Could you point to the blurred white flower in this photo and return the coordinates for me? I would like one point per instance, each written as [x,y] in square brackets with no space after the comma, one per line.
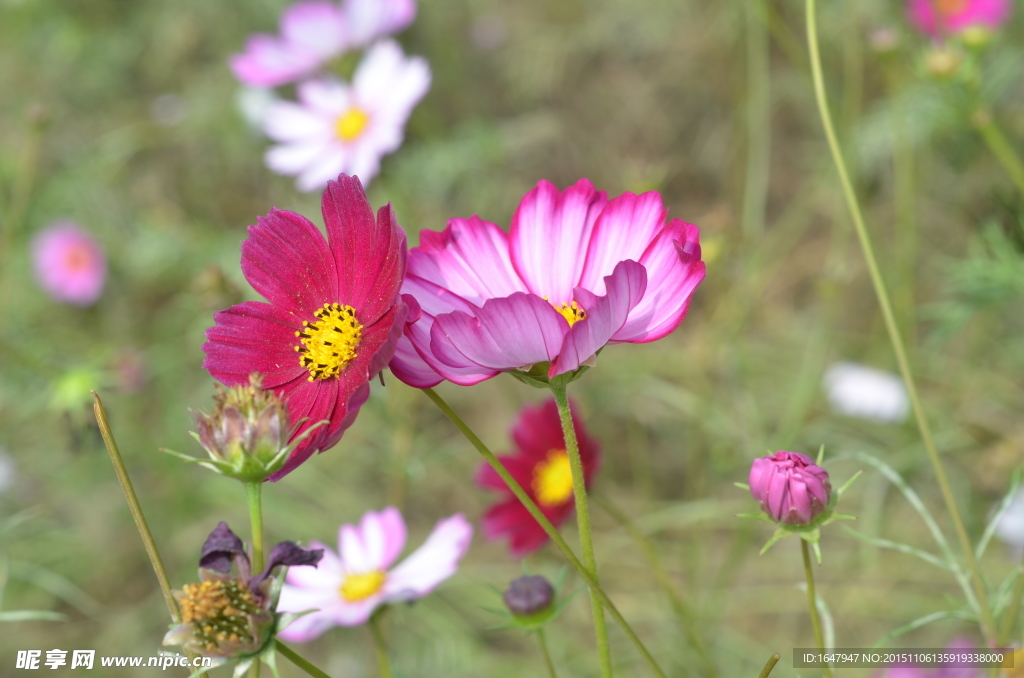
[856,390]
[253,103]
[340,128]
[8,471]
[1010,527]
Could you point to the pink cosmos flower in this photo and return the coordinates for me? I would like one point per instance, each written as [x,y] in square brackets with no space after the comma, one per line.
[340,128]
[942,17]
[541,466]
[69,264]
[334,314]
[313,32]
[346,588]
[575,272]
[791,488]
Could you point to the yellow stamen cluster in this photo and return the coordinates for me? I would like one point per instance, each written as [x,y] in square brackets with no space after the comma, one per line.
[330,343]
[358,587]
[572,312]
[552,479]
[219,612]
[351,124]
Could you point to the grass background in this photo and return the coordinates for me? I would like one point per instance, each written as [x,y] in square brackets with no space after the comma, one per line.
[709,103]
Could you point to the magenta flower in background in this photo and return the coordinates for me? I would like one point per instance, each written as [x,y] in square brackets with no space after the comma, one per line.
[69,263]
[338,128]
[346,588]
[313,32]
[791,488]
[575,272]
[942,17]
[334,314]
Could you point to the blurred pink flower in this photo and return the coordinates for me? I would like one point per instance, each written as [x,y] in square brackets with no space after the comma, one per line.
[315,31]
[942,17]
[346,588]
[575,272]
[791,488]
[340,128]
[69,263]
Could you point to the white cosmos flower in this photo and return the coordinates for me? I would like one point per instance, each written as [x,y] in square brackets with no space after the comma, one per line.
[1010,526]
[338,128]
[856,390]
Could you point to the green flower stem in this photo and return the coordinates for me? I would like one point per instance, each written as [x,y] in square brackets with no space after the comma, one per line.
[253,493]
[302,663]
[542,520]
[755,184]
[679,605]
[547,656]
[1000,146]
[579,490]
[812,602]
[1012,610]
[988,625]
[136,510]
[772,661]
[21,192]
[380,645]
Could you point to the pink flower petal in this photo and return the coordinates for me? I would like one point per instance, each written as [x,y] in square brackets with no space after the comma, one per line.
[69,263]
[286,259]
[393,530]
[325,575]
[355,555]
[371,19]
[625,228]
[549,231]
[253,337]
[269,62]
[317,26]
[470,258]
[605,316]
[674,270]
[308,626]
[410,367]
[507,333]
[357,613]
[432,563]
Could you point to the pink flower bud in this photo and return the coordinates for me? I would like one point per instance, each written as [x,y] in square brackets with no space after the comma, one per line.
[791,488]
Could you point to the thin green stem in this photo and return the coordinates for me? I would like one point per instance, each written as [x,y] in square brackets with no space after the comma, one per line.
[1012,610]
[254,495]
[679,604]
[579,490]
[988,626]
[21,192]
[380,645]
[755,184]
[547,656]
[812,602]
[302,663]
[546,525]
[1000,146]
[772,661]
[136,510]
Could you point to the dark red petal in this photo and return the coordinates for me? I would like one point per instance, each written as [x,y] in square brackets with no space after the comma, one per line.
[369,253]
[538,429]
[319,401]
[253,337]
[519,465]
[286,259]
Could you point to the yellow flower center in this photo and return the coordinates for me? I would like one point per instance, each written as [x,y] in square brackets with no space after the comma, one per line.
[572,311]
[358,587]
[948,8]
[218,611]
[328,344]
[351,124]
[552,479]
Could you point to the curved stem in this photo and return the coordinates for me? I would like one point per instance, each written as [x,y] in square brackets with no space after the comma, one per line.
[547,656]
[579,490]
[1012,610]
[546,525]
[253,493]
[772,661]
[1000,146]
[988,626]
[301,662]
[380,645]
[812,602]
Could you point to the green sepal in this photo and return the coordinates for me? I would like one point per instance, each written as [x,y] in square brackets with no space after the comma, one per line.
[537,375]
[742,486]
[763,517]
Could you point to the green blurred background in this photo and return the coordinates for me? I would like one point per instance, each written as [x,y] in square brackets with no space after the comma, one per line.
[122,116]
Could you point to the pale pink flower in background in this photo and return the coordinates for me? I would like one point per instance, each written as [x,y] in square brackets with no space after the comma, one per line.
[347,587]
[339,128]
[69,263]
[941,17]
[313,32]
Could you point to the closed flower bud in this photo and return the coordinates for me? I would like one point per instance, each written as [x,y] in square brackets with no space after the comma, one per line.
[791,488]
[528,596]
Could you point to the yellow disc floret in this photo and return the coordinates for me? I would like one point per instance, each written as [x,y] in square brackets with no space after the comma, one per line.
[351,124]
[552,479]
[330,343]
[358,587]
[218,612]
[571,311]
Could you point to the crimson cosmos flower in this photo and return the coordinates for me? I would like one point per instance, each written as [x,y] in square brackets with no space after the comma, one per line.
[941,17]
[540,465]
[334,314]
[575,272]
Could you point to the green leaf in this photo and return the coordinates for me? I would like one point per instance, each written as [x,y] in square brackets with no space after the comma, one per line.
[780,533]
[902,548]
[31,615]
[848,483]
[1004,504]
[742,486]
[821,454]
[923,621]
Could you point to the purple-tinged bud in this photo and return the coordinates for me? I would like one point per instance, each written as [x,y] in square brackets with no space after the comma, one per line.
[529,595]
[791,488]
